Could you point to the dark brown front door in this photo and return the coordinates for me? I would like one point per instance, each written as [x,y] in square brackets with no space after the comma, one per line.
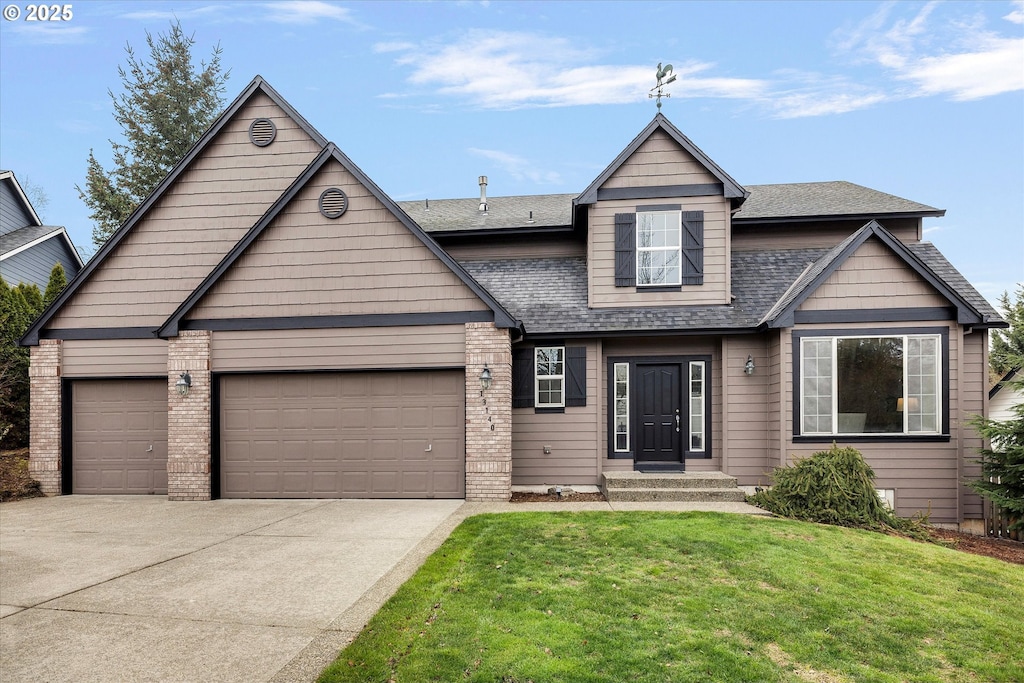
[660,435]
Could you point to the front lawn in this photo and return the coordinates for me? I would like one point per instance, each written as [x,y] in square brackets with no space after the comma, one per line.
[615,597]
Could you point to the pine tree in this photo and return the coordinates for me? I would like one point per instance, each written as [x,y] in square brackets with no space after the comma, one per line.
[166,106]
[58,281]
[1008,345]
[16,314]
[1002,464]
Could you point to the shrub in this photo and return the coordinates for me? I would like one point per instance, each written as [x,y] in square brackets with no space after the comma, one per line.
[831,487]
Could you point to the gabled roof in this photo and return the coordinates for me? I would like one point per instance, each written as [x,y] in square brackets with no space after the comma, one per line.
[25,238]
[731,188]
[257,85]
[170,328]
[9,177]
[781,314]
[831,200]
[1008,377]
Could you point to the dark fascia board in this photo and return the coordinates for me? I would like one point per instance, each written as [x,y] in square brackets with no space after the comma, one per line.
[732,189]
[319,322]
[173,324]
[91,333]
[616,334]
[26,204]
[659,191]
[739,220]
[31,338]
[519,231]
[966,314]
[1008,377]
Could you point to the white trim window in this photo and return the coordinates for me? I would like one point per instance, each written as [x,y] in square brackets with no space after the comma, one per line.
[659,248]
[549,362]
[697,397]
[621,380]
[871,385]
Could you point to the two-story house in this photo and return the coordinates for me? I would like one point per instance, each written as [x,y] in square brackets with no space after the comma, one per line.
[269,323]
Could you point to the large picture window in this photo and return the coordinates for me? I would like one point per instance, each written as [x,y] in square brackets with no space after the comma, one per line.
[658,248]
[870,385]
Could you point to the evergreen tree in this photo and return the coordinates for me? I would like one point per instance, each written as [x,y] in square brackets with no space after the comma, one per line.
[1008,345]
[166,106]
[1002,464]
[16,314]
[58,281]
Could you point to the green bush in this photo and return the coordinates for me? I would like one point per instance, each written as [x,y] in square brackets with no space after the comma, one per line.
[831,487]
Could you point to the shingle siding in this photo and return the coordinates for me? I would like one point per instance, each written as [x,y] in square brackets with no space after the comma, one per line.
[33,266]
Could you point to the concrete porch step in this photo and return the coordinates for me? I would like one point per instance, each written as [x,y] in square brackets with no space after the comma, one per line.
[649,495]
[668,480]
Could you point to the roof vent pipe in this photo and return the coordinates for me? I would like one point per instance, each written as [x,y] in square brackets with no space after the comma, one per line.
[483,193]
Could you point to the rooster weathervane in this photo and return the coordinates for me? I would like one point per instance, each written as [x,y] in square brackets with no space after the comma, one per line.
[665,76]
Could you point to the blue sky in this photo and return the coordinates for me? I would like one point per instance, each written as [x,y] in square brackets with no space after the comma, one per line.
[921,100]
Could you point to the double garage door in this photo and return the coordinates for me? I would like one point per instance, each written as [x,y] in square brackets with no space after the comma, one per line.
[303,435]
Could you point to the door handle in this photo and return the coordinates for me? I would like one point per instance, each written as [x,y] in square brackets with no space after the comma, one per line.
[150,449]
[677,420]
[429,448]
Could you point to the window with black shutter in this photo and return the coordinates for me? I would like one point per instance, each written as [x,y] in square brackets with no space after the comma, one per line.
[556,374]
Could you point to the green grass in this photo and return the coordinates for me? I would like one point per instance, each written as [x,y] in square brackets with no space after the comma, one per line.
[615,597]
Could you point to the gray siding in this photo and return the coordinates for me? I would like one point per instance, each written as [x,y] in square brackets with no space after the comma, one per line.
[572,437]
[367,348]
[33,265]
[12,211]
[114,357]
[746,412]
[974,399]
[521,247]
[188,231]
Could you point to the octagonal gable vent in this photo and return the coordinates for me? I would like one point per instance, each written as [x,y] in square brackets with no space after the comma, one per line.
[333,202]
[262,132]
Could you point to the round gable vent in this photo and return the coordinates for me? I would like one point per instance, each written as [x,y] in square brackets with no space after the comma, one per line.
[262,132]
[333,202]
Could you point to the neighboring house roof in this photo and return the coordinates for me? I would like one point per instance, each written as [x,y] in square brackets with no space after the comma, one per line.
[832,199]
[21,240]
[256,85]
[1008,377]
[968,313]
[502,318]
[730,188]
[550,294]
[463,215]
[8,176]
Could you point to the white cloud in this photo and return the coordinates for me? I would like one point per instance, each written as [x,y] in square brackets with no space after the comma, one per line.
[955,56]
[307,12]
[509,70]
[397,46]
[49,34]
[518,167]
[147,15]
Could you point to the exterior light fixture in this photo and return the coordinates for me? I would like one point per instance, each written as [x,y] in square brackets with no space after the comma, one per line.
[183,384]
[748,367]
[485,378]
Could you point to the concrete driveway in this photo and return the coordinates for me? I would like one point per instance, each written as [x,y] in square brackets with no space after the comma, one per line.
[107,588]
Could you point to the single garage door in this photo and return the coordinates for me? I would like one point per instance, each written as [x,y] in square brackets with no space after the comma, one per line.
[343,435]
[119,436]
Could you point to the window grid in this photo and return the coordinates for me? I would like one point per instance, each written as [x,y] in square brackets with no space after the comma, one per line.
[621,374]
[658,245]
[550,374]
[921,402]
[697,406]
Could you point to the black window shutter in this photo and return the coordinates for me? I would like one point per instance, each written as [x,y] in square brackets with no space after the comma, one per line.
[693,247]
[522,377]
[625,250]
[575,376]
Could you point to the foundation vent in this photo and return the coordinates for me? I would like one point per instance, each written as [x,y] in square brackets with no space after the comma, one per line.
[262,132]
[333,203]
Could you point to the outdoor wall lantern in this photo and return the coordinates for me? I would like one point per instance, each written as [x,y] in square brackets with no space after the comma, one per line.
[183,384]
[748,368]
[485,378]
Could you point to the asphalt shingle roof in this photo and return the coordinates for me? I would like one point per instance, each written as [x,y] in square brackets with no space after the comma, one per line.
[549,295]
[549,210]
[836,198]
[22,236]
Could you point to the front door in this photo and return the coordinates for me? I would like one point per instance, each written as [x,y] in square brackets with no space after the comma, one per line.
[661,422]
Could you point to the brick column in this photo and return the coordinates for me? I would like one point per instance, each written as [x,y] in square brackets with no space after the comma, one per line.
[44,463]
[188,417]
[488,414]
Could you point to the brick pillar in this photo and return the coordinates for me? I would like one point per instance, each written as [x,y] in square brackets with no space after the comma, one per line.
[488,414]
[44,463]
[188,417]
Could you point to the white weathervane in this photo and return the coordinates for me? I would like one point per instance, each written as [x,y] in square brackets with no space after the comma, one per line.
[665,76]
